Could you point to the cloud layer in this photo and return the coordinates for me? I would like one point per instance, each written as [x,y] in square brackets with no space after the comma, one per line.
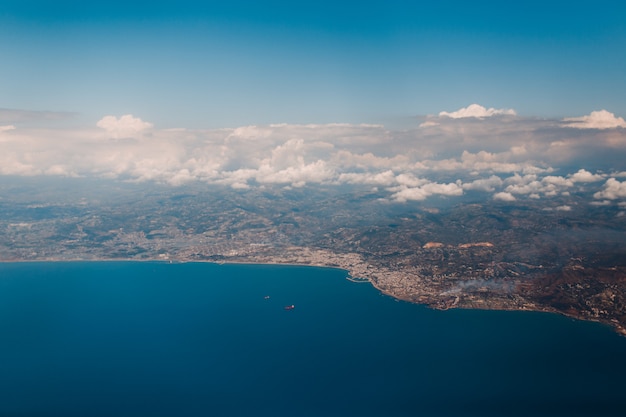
[125,126]
[459,152]
[601,119]
[477,111]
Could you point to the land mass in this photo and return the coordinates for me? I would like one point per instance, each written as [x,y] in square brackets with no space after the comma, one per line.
[466,253]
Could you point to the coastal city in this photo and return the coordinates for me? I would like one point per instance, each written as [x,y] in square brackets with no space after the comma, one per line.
[469,254]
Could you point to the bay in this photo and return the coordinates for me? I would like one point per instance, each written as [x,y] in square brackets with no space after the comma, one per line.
[197,339]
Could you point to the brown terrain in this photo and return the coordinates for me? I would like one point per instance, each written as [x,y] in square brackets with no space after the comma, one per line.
[460,253]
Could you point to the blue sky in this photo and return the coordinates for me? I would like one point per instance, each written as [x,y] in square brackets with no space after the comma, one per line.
[210,64]
[518,101]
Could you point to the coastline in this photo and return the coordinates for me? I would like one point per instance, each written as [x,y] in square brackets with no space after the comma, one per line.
[350,276]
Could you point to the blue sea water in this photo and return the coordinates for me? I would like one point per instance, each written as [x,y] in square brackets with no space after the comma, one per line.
[157,339]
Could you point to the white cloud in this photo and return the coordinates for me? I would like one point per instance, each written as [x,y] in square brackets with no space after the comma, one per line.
[613,189]
[250,132]
[550,185]
[411,194]
[481,161]
[477,111]
[585,176]
[296,175]
[563,208]
[489,161]
[428,123]
[404,193]
[554,182]
[601,119]
[518,179]
[412,164]
[504,196]
[125,127]
[410,180]
[368,160]
[386,178]
[484,184]
[450,189]
[534,187]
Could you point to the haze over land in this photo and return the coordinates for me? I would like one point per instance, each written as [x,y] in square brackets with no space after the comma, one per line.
[453,155]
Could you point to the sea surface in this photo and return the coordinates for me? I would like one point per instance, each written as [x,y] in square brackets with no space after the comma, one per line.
[158,339]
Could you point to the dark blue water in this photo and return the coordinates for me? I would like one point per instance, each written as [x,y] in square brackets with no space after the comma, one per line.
[153,339]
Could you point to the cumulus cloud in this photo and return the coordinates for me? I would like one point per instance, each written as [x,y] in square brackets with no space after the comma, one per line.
[513,159]
[585,176]
[484,184]
[297,175]
[601,119]
[530,188]
[504,196]
[553,181]
[369,160]
[404,193]
[482,161]
[385,178]
[532,185]
[477,111]
[428,123]
[613,190]
[124,126]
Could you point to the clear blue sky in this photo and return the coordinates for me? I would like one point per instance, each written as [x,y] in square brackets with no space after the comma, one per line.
[224,64]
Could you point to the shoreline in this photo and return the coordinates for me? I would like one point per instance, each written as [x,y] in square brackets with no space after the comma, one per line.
[616,327]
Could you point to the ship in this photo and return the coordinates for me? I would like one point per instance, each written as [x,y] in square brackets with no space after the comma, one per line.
[291,307]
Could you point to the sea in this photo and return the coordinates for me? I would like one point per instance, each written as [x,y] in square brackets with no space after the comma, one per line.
[200,339]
